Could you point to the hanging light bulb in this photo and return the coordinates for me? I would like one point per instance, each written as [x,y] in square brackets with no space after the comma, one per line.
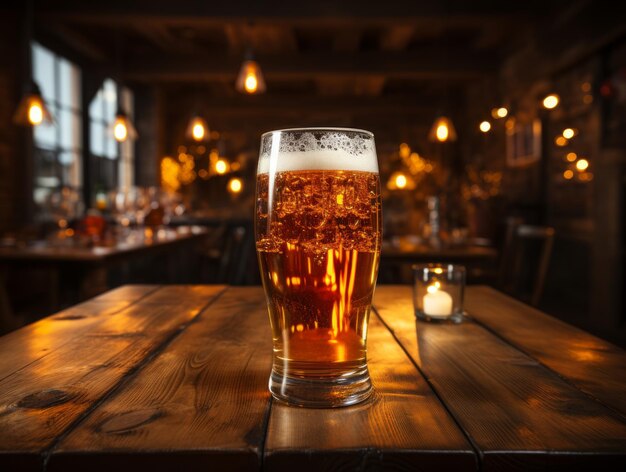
[551,101]
[250,79]
[123,128]
[485,126]
[198,129]
[32,110]
[442,130]
[235,185]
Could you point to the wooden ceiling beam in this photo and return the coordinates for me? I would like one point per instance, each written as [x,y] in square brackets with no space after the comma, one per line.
[432,64]
[264,105]
[276,11]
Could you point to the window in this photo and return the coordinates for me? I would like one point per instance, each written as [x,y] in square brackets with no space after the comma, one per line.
[57,146]
[113,161]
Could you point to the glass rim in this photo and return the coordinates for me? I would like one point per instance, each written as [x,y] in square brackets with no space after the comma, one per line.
[433,265]
[318,129]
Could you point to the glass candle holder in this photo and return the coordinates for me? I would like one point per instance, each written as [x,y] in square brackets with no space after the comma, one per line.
[438,292]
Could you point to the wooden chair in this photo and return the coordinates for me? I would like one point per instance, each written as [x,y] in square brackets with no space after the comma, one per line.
[232,257]
[517,259]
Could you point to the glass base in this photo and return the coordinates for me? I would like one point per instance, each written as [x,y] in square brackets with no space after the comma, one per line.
[348,389]
[454,318]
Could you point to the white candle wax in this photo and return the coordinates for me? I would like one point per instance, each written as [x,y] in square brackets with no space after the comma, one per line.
[437,303]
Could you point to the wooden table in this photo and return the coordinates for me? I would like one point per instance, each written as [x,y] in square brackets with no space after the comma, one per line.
[175,378]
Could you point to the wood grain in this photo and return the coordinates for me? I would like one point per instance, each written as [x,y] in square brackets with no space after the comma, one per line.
[404,427]
[593,365]
[45,398]
[200,405]
[520,414]
[26,345]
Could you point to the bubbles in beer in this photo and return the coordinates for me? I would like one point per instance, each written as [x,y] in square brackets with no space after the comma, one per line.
[318,243]
[319,211]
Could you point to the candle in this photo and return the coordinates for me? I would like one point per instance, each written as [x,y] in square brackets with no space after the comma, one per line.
[437,303]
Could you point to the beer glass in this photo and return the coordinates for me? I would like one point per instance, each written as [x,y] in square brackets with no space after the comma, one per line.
[318,237]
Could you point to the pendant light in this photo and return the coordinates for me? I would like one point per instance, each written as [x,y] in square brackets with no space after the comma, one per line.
[198,129]
[250,79]
[32,109]
[442,130]
[122,126]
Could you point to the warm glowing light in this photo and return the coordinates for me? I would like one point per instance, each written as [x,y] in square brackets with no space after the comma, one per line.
[198,132]
[560,141]
[582,164]
[568,133]
[123,128]
[568,174]
[251,83]
[485,126]
[250,78]
[35,112]
[501,112]
[586,87]
[571,157]
[442,132]
[401,181]
[170,169]
[434,287]
[551,101]
[588,99]
[405,150]
[235,185]
[221,166]
[120,131]
[438,270]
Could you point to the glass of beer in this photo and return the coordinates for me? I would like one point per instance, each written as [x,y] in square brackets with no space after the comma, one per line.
[318,238]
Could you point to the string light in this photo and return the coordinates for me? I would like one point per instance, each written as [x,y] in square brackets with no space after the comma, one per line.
[405,150]
[221,166]
[198,130]
[235,185]
[485,126]
[560,141]
[501,112]
[442,130]
[569,133]
[571,157]
[568,174]
[551,101]
[582,165]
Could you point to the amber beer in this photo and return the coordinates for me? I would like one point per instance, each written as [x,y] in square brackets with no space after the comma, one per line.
[318,242]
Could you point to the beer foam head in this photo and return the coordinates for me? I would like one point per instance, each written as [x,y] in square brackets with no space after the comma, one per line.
[317,149]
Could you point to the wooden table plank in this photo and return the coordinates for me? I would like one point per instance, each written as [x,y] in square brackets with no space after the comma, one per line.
[200,405]
[24,346]
[404,427]
[519,413]
[44,399]
[595,366]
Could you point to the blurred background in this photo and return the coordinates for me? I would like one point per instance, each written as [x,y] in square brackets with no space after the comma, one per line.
[129,136]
